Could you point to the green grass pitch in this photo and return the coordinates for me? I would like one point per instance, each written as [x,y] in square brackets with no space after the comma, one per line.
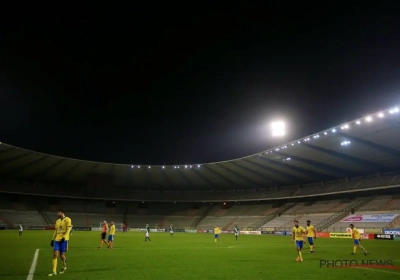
[189,256]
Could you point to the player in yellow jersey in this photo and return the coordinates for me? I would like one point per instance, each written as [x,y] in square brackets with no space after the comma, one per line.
[217,232]
[298,236]
[111,235]
[357,240]
[311,235]
[60,241]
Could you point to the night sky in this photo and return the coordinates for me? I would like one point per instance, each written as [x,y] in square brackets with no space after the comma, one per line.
[176,88]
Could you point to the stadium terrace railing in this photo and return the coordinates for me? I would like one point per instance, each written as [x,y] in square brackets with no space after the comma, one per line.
[24,188]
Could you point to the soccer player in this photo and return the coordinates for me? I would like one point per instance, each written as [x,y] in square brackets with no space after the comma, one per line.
[171,230]
[217,232]
[298,236]
[147,233]
[236,231]
[20,229]
[111,235]
[103,235]
[311,235]
[357,240]
[59,242]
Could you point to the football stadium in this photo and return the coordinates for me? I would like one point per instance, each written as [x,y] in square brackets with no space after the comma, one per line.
[348,174]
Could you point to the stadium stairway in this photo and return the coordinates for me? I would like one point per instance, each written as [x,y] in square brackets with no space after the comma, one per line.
[228,225]
[290,223]
[340,215]
[45,218]
[205,213]
[264,220]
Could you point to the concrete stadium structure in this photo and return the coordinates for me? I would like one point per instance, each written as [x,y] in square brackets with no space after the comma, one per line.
[354,167]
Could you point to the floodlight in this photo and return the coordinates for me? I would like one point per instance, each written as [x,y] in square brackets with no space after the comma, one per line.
[138,166]
[131,166]
[334,130]
[394,110]
[358,122]
[198,165]
[149,167]
[368,119]
[381,115]
[278,128]
[345,143]
[325,133]
[163,167]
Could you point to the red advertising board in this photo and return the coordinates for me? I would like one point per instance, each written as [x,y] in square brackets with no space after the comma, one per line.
[323,234]
[367,236]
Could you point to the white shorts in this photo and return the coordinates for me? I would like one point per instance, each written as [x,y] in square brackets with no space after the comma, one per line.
[147,234]
[171,231]
[236,234]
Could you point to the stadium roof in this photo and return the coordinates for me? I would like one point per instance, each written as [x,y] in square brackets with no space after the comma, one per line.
[357,148]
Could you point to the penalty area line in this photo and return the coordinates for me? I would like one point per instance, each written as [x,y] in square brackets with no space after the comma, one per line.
[33,266]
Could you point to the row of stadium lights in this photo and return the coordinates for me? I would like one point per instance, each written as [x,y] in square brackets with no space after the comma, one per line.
[163,167]
[367,119]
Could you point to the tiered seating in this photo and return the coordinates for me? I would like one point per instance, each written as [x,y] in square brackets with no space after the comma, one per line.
[295,208]
[284,220]
[178,222]
[128,193]
[393,204]
[209,222]
[320,207]
[376,204]
[28,218]
[342,226]
[96,219]
[242,222]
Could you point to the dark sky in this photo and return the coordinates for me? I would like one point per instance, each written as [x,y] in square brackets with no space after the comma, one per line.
[173,88]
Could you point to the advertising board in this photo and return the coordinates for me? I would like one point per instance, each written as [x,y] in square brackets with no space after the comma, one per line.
[375,218]
[323,235]
[394,231]
[339,235]
[383,236]
[257,232]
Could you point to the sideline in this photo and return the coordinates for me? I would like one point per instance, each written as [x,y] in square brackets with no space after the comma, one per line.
[33,266]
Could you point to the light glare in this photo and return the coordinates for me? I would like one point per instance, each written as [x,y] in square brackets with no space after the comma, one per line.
[278,128]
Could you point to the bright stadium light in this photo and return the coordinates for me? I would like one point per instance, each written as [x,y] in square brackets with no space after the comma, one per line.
[198,165]
[381,115]
[394,110]
[358,122]
[278,128]
[163,167]
[368,119]
[345,143]
[131,166]
[138,166]
[149,167]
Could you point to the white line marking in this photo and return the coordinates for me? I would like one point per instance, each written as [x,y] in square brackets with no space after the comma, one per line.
[384,271]
[33,266]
